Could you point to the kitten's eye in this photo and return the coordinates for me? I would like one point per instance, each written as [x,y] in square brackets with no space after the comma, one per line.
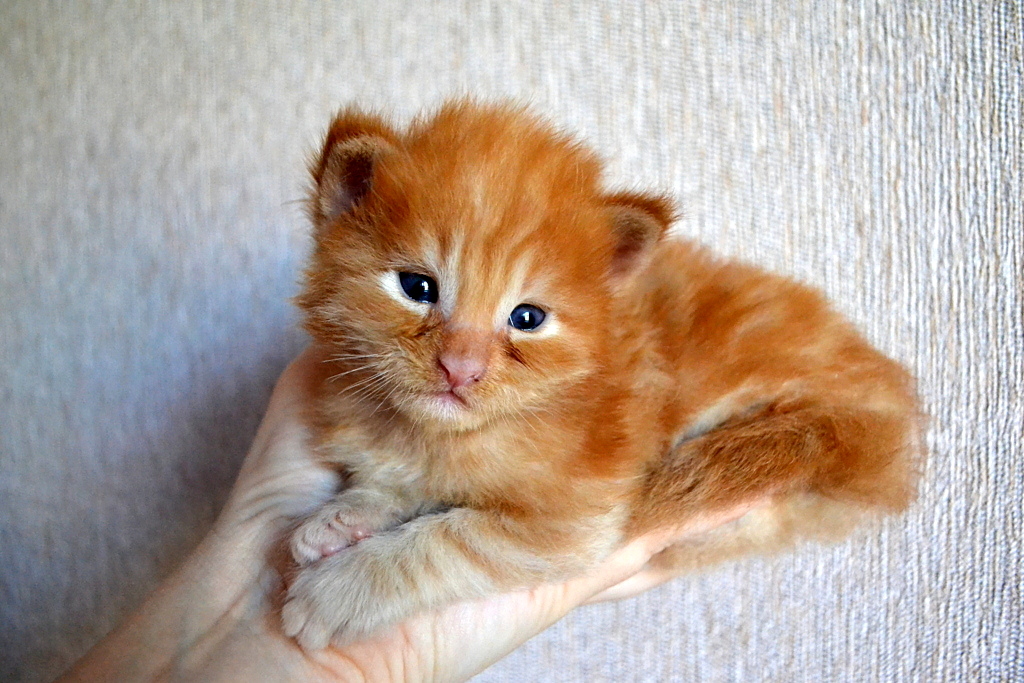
[526,317]
[419,287]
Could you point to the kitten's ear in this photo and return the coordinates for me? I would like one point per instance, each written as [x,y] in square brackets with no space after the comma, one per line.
[638,221]
[343,170]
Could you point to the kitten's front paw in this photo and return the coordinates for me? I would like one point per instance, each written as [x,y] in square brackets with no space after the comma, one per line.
[340,523]
[330,530]
[344,598]
[302,622]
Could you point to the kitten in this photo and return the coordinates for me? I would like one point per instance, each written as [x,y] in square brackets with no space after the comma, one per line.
[527,373]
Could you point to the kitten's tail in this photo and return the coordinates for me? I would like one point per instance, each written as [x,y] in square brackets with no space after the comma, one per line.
[825,468]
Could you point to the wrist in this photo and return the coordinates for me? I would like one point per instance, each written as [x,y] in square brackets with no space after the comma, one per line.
[205,596]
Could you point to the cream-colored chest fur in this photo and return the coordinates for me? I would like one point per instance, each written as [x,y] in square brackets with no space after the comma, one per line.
[468,469]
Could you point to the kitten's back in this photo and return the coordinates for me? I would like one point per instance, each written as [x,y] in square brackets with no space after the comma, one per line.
[776,395]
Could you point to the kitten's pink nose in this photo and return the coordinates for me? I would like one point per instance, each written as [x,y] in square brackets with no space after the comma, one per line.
[461,370]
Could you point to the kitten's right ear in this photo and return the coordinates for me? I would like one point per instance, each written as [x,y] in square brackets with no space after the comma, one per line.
[639,221]
[343,171]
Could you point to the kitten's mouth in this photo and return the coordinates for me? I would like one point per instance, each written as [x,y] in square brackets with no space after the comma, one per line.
[450,398]
[447,404]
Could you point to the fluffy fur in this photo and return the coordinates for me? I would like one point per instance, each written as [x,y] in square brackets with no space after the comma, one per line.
[663,383]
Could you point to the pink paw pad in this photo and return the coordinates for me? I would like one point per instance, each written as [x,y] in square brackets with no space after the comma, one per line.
[336,545]
[324,536]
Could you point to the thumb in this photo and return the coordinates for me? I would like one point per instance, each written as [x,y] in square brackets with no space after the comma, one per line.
[281,478]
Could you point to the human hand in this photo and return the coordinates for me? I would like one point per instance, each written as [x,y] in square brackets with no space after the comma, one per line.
[218,616]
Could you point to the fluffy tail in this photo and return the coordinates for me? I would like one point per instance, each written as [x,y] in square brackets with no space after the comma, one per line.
[823,467]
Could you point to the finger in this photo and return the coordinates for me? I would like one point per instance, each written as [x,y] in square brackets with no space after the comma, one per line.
[281,477]
[618,567]
[282,434]
[304,373]
[650,576]
[629,563]
[642,581]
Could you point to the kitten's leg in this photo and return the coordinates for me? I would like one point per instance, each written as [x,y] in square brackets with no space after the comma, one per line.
[353,515]
[428,562]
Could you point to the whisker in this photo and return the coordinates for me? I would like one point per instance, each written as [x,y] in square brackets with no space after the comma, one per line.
[347,372]
[394,413]
[363,382]
[367,383]
[351,356]
[384,400]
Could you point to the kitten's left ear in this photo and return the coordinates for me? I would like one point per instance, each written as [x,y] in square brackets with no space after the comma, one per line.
[638,221]
[343,170]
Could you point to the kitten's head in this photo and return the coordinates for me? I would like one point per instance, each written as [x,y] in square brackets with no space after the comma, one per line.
[464,270]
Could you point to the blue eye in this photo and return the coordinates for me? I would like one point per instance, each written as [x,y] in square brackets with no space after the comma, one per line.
[526,317]
[419,287]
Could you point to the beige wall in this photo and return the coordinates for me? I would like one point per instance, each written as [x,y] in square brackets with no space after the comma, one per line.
[148,154]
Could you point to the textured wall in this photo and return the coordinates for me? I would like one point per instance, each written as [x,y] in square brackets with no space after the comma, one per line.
[148,155]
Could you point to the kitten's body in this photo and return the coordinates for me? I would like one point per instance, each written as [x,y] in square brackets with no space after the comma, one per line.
[662,384]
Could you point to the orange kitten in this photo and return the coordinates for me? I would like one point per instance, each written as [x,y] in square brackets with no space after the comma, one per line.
[527,373]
